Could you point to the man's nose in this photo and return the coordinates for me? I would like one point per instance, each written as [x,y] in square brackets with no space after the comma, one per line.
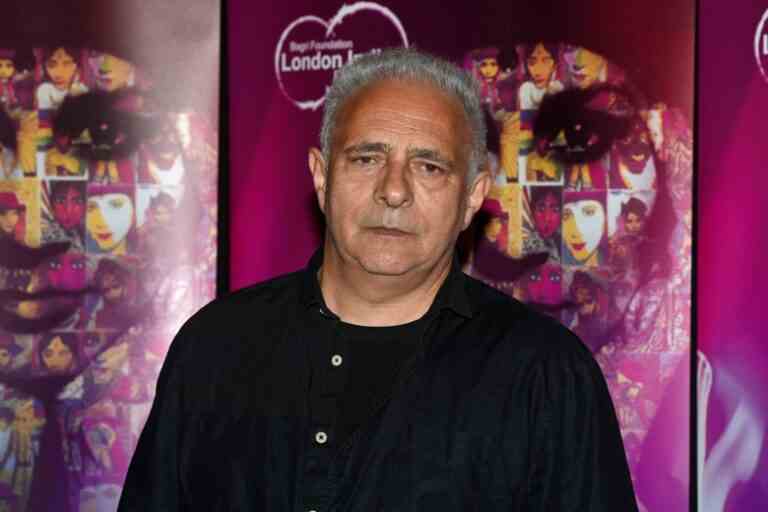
[394,188]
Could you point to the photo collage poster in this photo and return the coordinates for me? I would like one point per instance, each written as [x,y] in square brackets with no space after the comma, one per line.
[108,215]
[589,219]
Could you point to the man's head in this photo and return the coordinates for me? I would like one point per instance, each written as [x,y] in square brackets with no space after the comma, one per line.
[398,176]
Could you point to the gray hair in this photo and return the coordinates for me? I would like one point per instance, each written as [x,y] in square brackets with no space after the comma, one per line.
[410,65]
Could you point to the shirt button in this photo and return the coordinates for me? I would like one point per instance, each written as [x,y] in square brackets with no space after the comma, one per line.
[336,360]
[321,437]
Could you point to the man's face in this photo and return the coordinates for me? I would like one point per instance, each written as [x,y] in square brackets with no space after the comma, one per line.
[546,215]
[541,65]
[489,67]
[583,227]
[8,221]
[69,207]
[396,196]
[61,67]
[7,69]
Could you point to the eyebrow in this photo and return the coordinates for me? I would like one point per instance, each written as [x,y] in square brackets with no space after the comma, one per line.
[430,154]
[368,147]
[381,147]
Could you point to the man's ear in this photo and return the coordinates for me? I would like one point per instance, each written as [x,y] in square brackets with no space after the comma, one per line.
[318,168]
[476,195]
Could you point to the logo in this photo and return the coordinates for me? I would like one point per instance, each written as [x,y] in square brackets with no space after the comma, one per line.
[311,49]
[761,45]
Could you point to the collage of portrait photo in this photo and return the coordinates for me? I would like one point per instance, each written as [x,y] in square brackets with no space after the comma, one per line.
[589,214]
[108,207]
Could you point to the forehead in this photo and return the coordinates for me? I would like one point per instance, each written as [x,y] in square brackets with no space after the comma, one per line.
[397,111]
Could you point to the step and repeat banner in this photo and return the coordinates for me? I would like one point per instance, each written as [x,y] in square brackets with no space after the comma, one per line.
[615,232]
[108,198]
[732,364]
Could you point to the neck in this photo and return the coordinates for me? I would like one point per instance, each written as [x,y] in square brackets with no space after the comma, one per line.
[361,298]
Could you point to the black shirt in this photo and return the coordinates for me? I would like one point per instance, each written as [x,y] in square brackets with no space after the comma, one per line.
[498,408]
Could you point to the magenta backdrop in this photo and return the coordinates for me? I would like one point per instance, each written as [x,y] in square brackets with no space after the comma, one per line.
[275,224]
[732,243]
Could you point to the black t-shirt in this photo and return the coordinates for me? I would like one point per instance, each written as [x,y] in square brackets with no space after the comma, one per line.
[354,369]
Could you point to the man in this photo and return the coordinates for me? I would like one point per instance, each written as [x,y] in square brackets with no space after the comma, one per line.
[381,377]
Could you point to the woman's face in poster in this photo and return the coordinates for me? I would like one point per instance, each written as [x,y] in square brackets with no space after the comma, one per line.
[7,69]
[8,221]
[109,219]
[56,356]
[69,207]
[61,68]
[546,215]
[583,227]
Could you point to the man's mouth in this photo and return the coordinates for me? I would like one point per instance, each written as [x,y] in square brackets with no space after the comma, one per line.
[579,247]
[392,232]
[104,236]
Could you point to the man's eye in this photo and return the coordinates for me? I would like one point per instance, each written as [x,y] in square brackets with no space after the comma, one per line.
[116,203]
[567,214]
[430,169]
[364,160]
[588,211]
[555,278]
[534,277]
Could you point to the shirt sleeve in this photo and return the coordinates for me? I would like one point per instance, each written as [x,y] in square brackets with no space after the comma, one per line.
[578,460]
[153,482]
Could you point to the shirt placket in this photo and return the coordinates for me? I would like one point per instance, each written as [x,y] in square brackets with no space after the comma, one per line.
[329,375]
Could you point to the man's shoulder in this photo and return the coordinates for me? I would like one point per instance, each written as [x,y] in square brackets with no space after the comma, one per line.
[517,323]
[247,310]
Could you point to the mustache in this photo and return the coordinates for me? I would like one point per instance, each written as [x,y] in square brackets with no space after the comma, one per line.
[391,218]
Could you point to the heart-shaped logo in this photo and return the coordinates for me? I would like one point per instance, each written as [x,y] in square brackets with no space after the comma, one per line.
[310,49]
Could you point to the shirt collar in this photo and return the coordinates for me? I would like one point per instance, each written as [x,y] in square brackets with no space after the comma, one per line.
[452,294]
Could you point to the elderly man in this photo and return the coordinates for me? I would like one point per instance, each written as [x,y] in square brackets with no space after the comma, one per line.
[381,377]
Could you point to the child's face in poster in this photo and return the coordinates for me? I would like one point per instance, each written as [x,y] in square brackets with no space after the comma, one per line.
[61,68]
[8,221]
[489,68]
[109,218]
[583,227]
[7,69]
[541,65]
[69,207]
[546,215]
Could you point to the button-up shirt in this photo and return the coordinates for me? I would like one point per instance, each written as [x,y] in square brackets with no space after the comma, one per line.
[497,408]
